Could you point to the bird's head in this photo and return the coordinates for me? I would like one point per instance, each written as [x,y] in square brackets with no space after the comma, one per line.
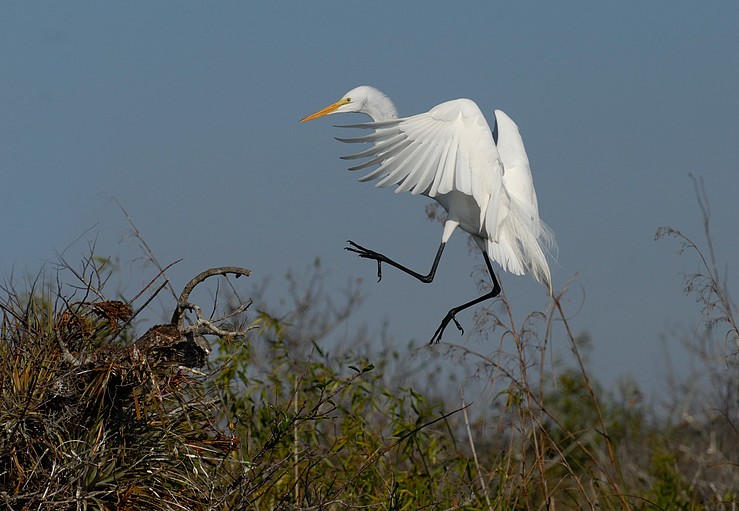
[363,99]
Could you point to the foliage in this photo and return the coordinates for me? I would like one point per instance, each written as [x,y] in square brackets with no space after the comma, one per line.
[299,409]
[88,422]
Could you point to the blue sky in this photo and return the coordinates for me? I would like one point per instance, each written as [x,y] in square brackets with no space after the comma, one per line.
[187,114]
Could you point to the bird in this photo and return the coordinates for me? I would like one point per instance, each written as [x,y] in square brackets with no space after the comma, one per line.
[480,175]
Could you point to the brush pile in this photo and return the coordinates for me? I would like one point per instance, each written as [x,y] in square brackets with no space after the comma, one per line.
[93,418]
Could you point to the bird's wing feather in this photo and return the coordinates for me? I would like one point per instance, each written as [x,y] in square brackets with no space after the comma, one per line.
[449,148]
[377,148]
[450,153]
[517,179]
[528,239]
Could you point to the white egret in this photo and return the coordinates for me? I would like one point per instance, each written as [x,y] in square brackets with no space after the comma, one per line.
[481,177]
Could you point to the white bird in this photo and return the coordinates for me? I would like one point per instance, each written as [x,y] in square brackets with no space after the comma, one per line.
[481,177]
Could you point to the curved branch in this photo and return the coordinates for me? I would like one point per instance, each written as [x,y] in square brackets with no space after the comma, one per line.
[183,302]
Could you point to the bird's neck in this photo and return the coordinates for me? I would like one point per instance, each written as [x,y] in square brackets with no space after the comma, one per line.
[380,108]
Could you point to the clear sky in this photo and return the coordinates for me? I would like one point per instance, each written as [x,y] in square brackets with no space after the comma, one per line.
[186,113]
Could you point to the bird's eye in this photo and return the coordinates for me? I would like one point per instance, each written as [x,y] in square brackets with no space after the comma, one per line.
[348,100]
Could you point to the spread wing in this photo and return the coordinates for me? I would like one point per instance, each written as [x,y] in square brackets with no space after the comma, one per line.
[449,148]
[524,239]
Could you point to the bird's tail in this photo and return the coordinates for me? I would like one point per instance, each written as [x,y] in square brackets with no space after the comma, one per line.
[523,244]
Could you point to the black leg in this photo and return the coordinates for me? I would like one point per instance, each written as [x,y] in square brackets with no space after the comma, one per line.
[371,254]
[450,316]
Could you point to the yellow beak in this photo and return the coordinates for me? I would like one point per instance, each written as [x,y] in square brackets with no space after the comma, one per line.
[328,110]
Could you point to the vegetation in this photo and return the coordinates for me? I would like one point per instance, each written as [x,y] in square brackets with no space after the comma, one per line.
[282,415]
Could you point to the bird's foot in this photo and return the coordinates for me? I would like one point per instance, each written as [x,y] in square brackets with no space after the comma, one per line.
[439,331]
[367,254]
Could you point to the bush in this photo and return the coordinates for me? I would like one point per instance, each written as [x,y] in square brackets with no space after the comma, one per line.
[283,416]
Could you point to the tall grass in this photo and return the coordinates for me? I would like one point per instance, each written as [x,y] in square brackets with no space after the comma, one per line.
[294,409]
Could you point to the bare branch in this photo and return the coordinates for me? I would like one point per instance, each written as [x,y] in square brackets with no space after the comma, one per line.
[183,303]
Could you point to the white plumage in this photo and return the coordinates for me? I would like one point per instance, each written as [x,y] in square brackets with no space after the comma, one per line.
[481,177]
